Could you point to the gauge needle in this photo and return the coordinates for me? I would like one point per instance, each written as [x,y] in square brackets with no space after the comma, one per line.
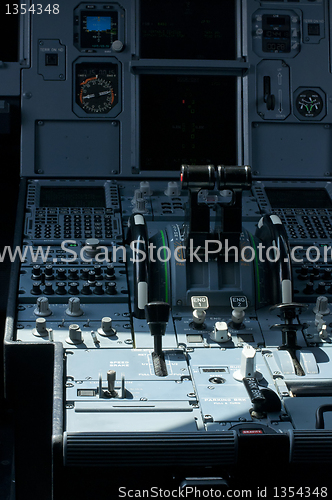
[105,92]
[89,96]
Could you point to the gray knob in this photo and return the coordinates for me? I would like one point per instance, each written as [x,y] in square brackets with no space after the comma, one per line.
[43,308]
[172,189]
[106,329]
[141,205]
[137,196]
[321,306]
[117,46]
[74,307]
[144,187]
[92,250]
[40,330]
[75,335]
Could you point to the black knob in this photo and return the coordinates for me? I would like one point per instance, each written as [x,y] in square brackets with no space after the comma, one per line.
[321,288]
[92,277]
[304,272]
[73,274]
[110,272]
[111,288]
[61,274]
[315,272]
[97,269]
[36,272]
[48,290]
[98,289]
[49,273]
[86,290]
[73,288]
[309,288]
[327,274]
[61,288]
[85,273]
[36,288]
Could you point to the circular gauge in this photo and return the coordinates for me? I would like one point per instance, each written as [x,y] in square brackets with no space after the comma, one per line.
[96,87]
[97,95]
[309,103]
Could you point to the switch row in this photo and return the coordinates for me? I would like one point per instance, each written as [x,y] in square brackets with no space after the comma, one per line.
[73,288]
[49,273]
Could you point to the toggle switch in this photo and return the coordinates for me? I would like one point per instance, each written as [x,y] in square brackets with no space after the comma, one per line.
[199,304]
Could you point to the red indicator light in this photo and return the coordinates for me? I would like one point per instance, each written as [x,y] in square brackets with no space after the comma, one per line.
[251,431]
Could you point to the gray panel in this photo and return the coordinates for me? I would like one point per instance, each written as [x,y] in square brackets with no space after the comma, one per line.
[66,147]
[291,150]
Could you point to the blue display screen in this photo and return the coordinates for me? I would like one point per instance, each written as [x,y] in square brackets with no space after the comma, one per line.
[96,23]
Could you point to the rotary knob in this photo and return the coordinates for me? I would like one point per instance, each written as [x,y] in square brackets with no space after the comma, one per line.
[98,289]
[61,274]
[110,272]
[40,329]
[36,272]
[74,307]
[86,290]
[75,335]
[73,274]
[42,308]
[48,290]
[91,247]
[61,288]
[36,288]
[111,288]
[49,272]
[106,329]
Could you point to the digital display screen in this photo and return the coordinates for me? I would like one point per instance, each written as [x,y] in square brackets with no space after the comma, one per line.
[188,29]
[187,119]
[298,198]
[276,33]
[99,30]
[94,23]
[72,197]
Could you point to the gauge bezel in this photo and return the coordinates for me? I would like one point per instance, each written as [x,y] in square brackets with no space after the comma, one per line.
[97,61]
[296,96]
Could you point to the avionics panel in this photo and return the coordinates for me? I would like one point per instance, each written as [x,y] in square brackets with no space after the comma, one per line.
[71,197]
[179,29]
[298,198]
[187,119]
[99,29]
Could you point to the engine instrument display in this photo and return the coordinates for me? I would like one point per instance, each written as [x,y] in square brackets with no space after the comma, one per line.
[98,29]
[309,103]
[188,29]
[180,123]
[96,87]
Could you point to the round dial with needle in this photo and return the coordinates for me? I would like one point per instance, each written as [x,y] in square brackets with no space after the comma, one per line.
[97,95]
[309,103]
[97,87]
